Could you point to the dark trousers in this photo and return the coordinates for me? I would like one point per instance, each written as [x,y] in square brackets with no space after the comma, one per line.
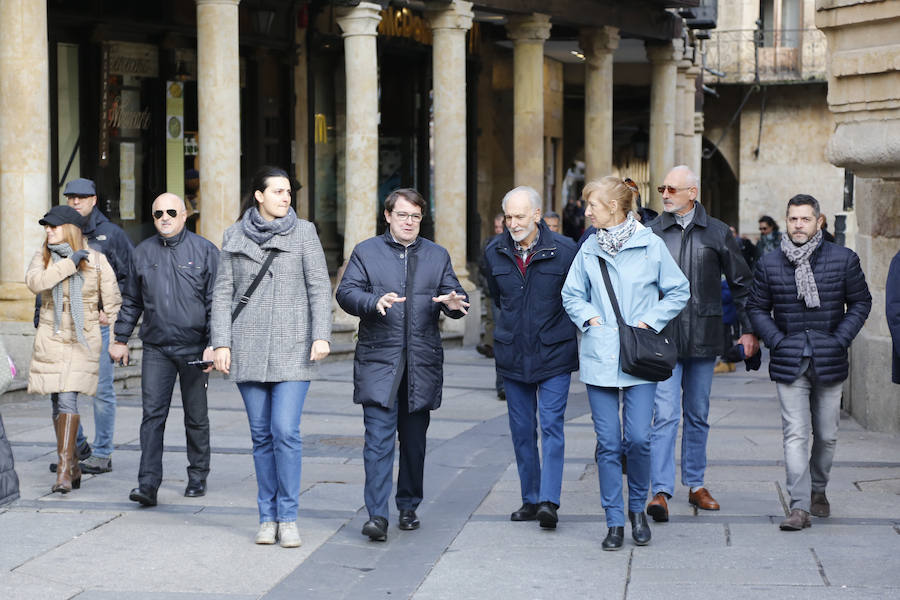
[382,425]
[158,372]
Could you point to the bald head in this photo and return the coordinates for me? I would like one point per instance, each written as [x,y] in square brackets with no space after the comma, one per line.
[169,214]
[679,190]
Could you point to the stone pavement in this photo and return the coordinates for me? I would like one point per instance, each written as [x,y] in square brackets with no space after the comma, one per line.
[94,544]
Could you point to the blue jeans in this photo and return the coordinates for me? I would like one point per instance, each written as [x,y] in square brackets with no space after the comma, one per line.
[637,412]
[694,377]
[273,410]
[526,402]
[104,403]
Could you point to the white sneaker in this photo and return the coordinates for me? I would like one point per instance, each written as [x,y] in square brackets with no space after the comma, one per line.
[289,535]
[266,533]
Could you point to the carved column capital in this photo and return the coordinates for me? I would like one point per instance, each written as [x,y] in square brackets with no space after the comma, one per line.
[597,42]
[664,52]
[361,19]
[456,16]
[529,28]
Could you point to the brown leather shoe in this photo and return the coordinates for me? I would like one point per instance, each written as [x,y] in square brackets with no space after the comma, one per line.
[702,499]
[797,520]
[819,506]
[658,508]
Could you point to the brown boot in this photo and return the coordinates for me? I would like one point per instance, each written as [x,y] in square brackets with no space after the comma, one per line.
[796,521]
[68,473]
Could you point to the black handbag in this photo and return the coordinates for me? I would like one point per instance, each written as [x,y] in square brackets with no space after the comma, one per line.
[643,353]
[243,300]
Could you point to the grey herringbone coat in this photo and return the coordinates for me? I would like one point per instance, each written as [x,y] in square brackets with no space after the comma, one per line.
[270,340]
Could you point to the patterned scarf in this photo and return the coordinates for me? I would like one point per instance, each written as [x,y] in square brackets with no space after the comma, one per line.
[60,252]
[803,275]
[260,231]
[612,239]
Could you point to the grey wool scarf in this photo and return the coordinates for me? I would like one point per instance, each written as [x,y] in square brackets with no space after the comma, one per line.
[260,231]
[60,252]
[803,275]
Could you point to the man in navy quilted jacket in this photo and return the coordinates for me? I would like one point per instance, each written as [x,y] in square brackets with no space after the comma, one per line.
[808,301]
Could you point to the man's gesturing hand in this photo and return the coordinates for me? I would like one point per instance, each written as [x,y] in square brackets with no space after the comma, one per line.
[387,301]
[453,301]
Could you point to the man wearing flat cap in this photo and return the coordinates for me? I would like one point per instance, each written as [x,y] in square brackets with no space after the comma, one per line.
[103,236]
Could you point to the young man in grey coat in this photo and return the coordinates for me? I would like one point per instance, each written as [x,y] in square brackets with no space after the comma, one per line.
[398,284]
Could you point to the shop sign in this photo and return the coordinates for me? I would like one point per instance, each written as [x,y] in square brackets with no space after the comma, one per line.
[138,60]
[122,118]
[403,23]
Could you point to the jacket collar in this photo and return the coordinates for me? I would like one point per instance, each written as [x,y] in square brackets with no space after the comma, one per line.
[701,219]
[545,240]
[241,244]
[390,241]
[172,241]
[94,220]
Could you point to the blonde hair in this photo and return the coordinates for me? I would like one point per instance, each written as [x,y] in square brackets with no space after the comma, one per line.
[612,189]
[73,237]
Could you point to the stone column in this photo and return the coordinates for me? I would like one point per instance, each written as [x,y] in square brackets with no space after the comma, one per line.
[690,157]
[528,34]
[598,46]
[864,95]
[696,163]
[358,25]
[218,109]
[449,25]
[681,126]
[662,113]
[25,191]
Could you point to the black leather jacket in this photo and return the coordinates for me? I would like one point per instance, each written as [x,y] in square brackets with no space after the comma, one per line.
[705,251]
[171,283]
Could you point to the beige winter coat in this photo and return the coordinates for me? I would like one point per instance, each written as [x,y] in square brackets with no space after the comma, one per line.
[59,362]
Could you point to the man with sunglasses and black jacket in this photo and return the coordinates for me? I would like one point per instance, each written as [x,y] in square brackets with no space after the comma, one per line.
[171,283]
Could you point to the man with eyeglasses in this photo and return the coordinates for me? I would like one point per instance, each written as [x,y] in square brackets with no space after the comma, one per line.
[705,250]
[103,236]
[535,347]
[172,279]
[398,284]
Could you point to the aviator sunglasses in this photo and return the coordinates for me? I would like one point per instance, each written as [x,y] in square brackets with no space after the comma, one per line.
[157,214]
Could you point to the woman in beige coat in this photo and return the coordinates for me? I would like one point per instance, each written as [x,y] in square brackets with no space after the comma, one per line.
[74,282]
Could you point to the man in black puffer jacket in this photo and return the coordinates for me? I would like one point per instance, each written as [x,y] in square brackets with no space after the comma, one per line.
[398,284]
[808,301]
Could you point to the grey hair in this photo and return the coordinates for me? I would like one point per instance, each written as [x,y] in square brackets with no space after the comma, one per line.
[551,215]
[689,176]
[532,195]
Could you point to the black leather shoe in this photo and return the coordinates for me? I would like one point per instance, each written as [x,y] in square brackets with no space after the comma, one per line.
[408,520]
[546,515]
[640,530]
[195,489]
[527,512]
[146,497]
[614,538]
[376,529]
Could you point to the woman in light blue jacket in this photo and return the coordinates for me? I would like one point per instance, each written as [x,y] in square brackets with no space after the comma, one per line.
[651,291]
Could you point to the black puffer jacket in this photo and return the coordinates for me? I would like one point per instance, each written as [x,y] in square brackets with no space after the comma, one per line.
[409,331]
[830,328]
[704,252]
[171,283]
[105,236]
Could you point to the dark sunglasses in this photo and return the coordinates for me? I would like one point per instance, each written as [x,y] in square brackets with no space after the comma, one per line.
[157,214]
[663,188]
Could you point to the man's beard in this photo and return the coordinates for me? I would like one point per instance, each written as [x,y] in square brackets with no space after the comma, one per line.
[523,234]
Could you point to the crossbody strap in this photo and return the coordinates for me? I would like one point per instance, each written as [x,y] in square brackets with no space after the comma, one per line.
[609,289]
[243,300]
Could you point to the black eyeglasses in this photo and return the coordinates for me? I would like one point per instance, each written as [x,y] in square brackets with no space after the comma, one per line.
[157,214]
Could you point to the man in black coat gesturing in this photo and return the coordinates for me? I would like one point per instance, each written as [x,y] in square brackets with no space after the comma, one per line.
[808,301]
[398,284]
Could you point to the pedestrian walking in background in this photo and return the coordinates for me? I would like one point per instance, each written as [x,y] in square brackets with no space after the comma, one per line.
[103,236]
[171,285]
[74,281]
[398,284]
[650,290]
[552,221]
[769,236]
[808,301]
[486,348]
[730,329]
[748,250]
[267,339]
[704,249]
[535,347]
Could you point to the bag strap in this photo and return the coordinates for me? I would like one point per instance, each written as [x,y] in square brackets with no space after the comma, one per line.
[243,300]
[609,290]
